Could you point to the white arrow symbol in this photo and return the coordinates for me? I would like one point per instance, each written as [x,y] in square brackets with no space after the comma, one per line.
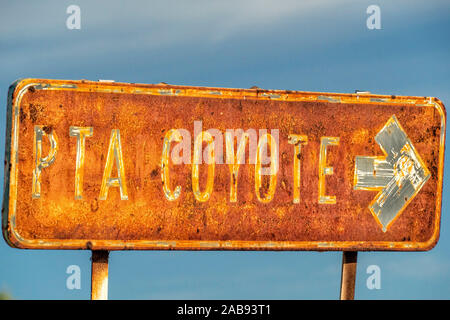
[398,176]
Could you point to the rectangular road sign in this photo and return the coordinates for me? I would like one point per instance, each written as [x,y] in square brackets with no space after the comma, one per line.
[114,166]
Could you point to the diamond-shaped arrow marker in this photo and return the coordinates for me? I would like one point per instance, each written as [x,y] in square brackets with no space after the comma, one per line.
[398,176]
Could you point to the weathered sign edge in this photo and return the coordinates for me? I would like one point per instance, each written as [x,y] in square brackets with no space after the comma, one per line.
[19,88]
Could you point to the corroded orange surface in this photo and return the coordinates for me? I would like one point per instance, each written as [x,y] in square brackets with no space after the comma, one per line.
[148,220]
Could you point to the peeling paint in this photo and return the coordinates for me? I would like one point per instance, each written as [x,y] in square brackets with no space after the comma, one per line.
[330,99]
[146,220]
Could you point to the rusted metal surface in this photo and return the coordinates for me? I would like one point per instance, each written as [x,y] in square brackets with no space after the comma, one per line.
[126,192]
[99,275]
[348,274]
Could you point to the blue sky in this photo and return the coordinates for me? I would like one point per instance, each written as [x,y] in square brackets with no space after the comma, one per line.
[292,45]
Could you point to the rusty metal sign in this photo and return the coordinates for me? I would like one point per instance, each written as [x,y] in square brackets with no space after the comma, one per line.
[113,166]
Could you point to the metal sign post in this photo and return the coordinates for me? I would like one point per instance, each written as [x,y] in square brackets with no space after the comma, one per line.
[99,275]
[348,275]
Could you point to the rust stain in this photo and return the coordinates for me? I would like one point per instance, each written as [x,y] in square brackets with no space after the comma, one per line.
[119,189]
[99,277]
